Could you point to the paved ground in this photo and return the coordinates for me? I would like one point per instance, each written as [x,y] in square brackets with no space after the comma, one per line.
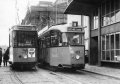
[6,75]
[103,70]
[100,70]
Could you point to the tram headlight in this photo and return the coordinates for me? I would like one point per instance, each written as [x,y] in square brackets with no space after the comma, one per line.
[25,56]
[77,57]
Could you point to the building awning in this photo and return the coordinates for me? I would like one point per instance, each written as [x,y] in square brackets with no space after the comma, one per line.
[82,7]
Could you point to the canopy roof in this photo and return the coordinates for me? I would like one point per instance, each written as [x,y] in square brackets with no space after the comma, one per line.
[82,7]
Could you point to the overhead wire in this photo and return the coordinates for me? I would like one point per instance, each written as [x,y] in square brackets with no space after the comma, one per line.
[17,9]
[17,18]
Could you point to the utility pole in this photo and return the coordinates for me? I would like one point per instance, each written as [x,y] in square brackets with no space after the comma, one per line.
[56,11]
[17,17]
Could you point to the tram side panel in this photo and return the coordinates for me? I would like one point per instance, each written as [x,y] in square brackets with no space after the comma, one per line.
[11,55]
[65,56]
[22,57]
[78,57]
[46,55]
[58,57]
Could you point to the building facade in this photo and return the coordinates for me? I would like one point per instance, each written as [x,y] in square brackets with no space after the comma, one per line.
[104,31]
[46,14]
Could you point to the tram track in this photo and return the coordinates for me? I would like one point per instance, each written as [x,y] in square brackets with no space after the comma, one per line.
[89,78]
[63,77]
[15,78]
[45,76]
[71,79]
[84,77]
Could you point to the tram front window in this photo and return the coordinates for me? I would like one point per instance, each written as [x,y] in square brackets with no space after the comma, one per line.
[26,38]
[73,39]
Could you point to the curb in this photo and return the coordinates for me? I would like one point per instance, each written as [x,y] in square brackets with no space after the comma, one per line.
[101,74]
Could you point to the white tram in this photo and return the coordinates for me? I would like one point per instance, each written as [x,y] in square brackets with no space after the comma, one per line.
[62,46]
[23,46]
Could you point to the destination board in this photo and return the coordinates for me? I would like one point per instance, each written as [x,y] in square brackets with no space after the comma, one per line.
[74,29]
[24,28]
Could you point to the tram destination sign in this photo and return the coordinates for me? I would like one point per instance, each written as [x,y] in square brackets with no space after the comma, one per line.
[74,29]
[25,27]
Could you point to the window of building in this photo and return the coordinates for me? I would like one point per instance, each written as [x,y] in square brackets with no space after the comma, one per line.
[110,12]
[112,7]
[117,41]
[117,44]
[104,20]
[108,19]
[103,9]
[117,14]
[103,48]
[117,4]
[95,19]
[107,7]
[107,47]
[112,19]
[112,41]
[110,50]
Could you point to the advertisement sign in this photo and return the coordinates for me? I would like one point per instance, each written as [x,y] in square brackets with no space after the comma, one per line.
[31,52]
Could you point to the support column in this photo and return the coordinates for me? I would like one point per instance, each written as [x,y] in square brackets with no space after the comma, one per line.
[99,36]
[89,26]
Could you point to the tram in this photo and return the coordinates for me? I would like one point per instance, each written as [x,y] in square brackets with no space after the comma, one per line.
[62,46]
[23,46]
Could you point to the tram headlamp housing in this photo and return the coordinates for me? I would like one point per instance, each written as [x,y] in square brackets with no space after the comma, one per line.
[77,57]
[25,56]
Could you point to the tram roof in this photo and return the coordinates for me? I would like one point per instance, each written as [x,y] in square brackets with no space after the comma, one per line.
[22,25]
[16,27]
[62,28]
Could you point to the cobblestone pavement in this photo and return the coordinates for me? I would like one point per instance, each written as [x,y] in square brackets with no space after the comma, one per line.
[90,78]
[43,76]
[38,76]
[7,77]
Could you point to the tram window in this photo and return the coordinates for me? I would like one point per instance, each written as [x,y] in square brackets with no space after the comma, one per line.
[44,42]
[60,38]
[41,43]
[54,38]
[26,38]
[10,37]
[47,37]
[75,38]
[64,39]
[14,39]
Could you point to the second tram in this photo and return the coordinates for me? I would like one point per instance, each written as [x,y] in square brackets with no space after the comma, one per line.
[23,46]
[62,46]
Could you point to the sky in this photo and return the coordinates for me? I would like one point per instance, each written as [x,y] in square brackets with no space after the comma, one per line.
[9,10]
